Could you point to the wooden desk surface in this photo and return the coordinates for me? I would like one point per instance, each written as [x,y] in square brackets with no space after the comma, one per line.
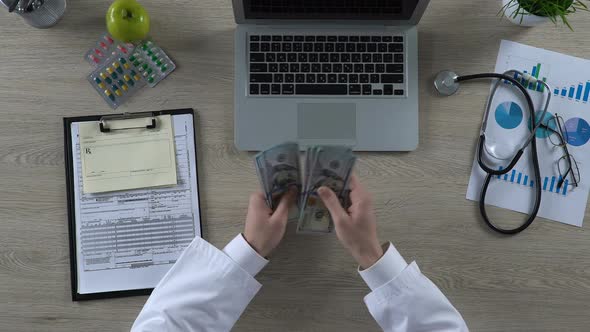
[536,281]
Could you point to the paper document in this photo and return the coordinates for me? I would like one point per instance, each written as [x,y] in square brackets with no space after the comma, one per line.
[127,158]
[129,239]
[509,123]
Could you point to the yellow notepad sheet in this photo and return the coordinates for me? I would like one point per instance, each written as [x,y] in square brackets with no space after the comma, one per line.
[127,158]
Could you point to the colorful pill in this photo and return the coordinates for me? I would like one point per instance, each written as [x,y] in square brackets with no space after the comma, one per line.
[108,80]
[93,58]
[109,70]
[144,47]
[136,77]
[164,68]
[98,52]
[126,65]
[136,63]
[115,64]
[129,80]
[120,82]
[150,53]
[122,60]
[103,45]
[124,87]
[149,71]
[109,39]
[120,70]
[145,66]
[145,74]
[102,75]
[115,76]
[115,87]
[109,94]
[133,72]
[118,93]
[159,62]
[132,58]
[151,79]
[122,49]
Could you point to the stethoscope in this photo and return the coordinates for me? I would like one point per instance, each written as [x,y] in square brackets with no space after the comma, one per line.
[447,83]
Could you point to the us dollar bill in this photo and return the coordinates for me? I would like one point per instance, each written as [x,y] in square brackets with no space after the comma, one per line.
[278,169]
[328,166]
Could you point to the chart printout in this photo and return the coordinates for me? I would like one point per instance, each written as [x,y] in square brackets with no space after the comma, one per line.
[509,124]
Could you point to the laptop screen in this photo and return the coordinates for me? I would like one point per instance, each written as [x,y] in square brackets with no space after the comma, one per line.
[330,9]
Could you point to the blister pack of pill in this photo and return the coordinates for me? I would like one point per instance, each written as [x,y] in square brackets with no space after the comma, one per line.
[105,48]
[116,80]
[152,62]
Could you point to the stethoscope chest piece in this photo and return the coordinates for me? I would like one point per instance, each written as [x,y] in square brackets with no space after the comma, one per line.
[446,83]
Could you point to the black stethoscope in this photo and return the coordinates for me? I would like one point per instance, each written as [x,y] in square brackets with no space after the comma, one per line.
[447,83]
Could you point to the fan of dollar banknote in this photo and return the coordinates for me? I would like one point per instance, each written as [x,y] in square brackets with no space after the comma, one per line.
[279,170]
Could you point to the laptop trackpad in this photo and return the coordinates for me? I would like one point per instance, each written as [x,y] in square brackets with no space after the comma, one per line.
[326,121]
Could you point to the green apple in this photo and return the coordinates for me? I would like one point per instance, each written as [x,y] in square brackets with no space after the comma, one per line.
[128,21]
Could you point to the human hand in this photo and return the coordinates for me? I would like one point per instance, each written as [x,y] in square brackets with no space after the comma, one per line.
[264,228]
[356,228]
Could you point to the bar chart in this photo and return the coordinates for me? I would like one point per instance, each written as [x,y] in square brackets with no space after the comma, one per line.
[549,184]
[536,73]
[579,92]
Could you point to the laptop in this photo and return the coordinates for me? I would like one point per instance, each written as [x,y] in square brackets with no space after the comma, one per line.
[327,72]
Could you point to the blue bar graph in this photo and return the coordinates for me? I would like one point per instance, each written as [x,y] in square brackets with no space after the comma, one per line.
[524,180]
[545,183]
[579,93]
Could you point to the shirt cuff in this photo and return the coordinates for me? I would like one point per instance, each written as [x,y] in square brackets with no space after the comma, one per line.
[244,255]
[387,268]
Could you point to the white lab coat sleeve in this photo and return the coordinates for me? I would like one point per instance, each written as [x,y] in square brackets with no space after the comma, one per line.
[206,290]
[403,299]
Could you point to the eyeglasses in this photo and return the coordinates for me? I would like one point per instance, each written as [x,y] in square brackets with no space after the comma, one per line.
[567,165]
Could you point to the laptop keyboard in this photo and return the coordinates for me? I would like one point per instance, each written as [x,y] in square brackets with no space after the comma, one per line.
[355,65]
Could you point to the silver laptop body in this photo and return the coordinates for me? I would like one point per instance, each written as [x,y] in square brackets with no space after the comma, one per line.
[289,88]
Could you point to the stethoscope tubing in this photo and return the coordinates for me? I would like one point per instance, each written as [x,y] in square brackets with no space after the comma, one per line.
[493,172]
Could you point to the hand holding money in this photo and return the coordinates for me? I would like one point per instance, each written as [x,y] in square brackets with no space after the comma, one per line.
[356,227]
[330,166]
[264,228]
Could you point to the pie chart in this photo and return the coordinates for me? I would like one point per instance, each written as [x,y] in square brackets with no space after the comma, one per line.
[508,115]
[577,131]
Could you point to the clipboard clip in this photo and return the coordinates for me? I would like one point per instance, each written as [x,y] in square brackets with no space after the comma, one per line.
[126,116]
